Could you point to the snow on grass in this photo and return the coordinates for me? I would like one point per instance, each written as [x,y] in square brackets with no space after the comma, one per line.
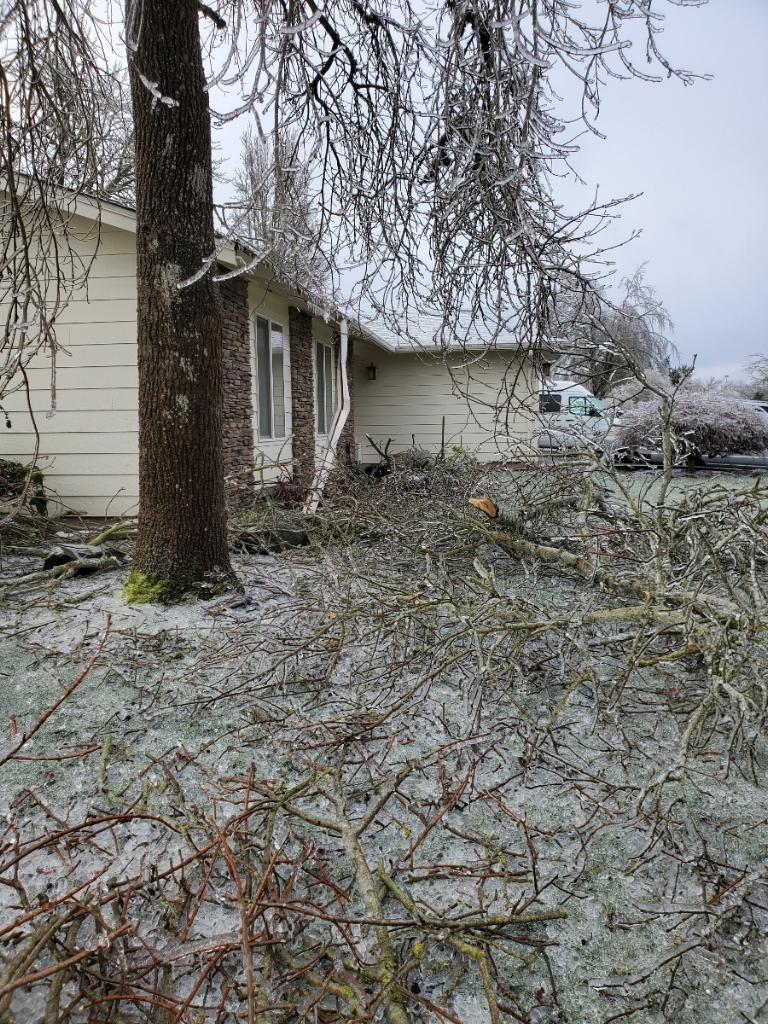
[495,766]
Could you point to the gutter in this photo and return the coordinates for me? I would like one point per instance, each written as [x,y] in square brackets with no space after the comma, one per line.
[328,459]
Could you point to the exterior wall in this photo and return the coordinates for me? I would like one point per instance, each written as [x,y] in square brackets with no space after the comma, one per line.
[272,457]
[238,389]
[89,443]
[414,391]
[302,397]
[309,446]
[294,457]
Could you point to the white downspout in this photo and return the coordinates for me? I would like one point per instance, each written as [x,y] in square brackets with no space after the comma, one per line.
[328,457]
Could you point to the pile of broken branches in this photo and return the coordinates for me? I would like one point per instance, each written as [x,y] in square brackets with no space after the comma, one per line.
[439,766]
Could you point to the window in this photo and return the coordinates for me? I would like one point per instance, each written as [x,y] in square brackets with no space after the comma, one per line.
[550,401]
[270,380]
[579,406]
[325,379]
[583,406]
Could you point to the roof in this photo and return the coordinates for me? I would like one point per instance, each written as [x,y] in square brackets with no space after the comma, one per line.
[423,332]
[427,332]
[110,213]
[232,252]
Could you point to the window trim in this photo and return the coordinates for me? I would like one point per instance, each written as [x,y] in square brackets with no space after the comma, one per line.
[255,390]
[329,382]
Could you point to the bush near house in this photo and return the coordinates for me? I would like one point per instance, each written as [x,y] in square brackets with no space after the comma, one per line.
[705,424]
[13,478]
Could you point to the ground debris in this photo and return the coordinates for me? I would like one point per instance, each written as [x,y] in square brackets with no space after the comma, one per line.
[418,773]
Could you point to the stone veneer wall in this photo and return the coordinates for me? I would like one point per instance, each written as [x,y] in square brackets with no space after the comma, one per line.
[238,401]
[239,442]
[302,397]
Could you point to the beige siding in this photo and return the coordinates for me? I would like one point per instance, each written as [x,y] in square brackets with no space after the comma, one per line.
[486,402]
[89,442]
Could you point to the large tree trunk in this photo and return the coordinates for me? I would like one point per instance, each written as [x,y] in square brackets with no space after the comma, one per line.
[182,514]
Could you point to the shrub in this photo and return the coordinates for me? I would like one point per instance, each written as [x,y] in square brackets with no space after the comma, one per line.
[13,479]
[706,424]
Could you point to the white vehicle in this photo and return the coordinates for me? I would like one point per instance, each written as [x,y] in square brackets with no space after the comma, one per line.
[572,417]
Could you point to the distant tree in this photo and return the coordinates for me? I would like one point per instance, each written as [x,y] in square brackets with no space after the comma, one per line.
[757,386]
[702,423]
[678,375]
[604,343]
[705,385]
[90,142]
[275,207]
[650,383]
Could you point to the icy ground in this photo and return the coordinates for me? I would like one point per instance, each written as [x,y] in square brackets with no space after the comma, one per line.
[379,734]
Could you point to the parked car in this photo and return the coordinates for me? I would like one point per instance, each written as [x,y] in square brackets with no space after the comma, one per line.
[710,431]
[572,417]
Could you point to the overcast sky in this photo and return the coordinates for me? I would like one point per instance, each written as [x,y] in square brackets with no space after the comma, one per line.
[699,155]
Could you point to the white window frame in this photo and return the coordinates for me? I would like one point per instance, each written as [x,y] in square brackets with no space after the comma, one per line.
[331,399]
[271,324]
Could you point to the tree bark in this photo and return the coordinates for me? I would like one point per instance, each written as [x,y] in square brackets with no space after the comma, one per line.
[182,539]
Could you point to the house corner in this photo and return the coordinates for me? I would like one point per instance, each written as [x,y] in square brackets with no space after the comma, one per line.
[237,425]
[302,397]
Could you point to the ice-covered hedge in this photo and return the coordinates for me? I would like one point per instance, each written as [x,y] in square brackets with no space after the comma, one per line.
[707,423]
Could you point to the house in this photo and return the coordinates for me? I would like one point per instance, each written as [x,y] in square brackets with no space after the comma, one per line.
[282,382]
[481,397]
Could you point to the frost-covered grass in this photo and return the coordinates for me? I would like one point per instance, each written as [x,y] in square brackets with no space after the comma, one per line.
[706,482]
[419,770]
[644,481]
